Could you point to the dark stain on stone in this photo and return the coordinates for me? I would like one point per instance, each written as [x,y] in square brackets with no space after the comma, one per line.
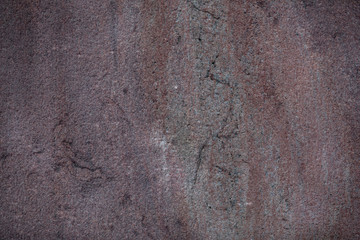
[178,40]
[126,200]
[4,155]
[308,3]
[261,4]
[276,21]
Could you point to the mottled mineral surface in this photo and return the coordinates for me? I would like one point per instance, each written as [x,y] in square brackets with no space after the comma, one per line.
[180,119]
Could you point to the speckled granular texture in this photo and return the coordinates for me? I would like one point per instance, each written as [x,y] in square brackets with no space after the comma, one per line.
[180,119]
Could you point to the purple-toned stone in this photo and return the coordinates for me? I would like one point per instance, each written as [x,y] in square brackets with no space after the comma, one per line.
[179,119]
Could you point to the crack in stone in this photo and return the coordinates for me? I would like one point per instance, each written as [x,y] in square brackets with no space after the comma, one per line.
[76,161]
[217,80]
[210,75]
[76,164]
[204,11]
[199,159]
[228,172]
[213,136]
[68,155]
[125,118]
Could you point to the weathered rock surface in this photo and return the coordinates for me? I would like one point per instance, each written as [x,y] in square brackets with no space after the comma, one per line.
[180,119]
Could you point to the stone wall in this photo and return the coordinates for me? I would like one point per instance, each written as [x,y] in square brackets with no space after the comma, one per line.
[179,119]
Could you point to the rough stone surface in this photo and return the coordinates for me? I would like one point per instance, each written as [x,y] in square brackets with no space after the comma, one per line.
[180,119]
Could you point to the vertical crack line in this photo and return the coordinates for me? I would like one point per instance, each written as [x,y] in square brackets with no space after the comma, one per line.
[205,144]
[199,160]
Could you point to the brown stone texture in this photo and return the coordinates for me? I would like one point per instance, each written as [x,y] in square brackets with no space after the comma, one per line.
[180,119]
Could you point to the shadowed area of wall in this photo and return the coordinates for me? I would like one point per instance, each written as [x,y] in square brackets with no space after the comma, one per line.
[179,119]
